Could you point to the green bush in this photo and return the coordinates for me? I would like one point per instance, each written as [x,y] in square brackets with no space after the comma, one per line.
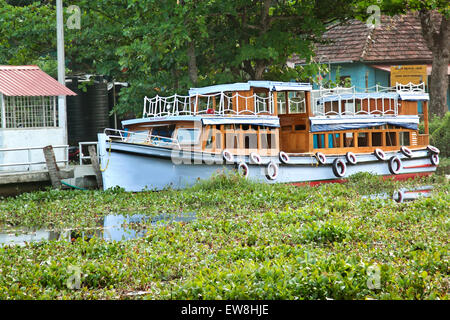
[440,134]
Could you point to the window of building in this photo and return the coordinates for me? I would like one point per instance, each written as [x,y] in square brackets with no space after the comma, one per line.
[30,112]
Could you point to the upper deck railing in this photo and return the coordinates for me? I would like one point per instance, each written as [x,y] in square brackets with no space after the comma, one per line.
[339,101]
[211,104]
[376,100]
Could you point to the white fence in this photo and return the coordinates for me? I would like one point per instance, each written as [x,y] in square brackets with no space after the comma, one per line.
[29,158]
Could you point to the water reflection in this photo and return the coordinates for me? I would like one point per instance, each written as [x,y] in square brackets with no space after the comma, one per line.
[111,228]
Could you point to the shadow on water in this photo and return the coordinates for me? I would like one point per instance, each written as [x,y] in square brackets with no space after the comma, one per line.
[112,228]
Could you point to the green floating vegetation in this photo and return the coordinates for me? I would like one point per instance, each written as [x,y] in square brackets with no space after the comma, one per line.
[249,241]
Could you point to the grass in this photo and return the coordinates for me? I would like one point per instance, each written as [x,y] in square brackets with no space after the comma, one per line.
[250,241]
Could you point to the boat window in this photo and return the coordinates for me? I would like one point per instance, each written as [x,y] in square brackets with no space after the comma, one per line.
[349,141]
[209,140]
[218,140]
[300,127]
[377,139]
[231,141]
[319,141]
[163,131]
[250,141]
[188,135]
[391,139]
[296,102]
[286,128]
[137,137]
[404,138]
[363,140]
[281,102]
[334,140]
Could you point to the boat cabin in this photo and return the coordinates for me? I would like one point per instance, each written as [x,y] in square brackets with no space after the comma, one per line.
[266,117]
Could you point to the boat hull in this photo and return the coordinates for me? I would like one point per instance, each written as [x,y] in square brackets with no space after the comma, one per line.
[140,167]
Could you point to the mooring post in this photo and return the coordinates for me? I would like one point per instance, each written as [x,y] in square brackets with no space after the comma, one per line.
[95,165]
[53,170]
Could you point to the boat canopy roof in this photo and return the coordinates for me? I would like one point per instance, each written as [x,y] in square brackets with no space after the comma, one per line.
[268,121]
[409,96]
[244,86]
[319,124]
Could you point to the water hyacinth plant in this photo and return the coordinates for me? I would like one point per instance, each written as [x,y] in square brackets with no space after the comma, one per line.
[248,241]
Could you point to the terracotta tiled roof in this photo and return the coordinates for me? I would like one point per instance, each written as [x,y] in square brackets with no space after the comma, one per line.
[397,39]
[29,81]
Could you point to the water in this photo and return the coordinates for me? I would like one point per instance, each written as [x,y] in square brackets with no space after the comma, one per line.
[113,228]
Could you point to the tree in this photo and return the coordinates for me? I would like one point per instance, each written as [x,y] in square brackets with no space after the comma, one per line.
[167,46]
[434,17]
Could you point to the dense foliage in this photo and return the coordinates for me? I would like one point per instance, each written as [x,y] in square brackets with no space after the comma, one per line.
[440,134]
[250,241]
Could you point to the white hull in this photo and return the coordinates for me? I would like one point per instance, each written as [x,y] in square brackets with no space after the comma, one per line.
[139,167]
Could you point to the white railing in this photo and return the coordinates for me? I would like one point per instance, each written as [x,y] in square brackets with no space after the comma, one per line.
[82,156]
[29,158]
[385,103]
[141,138]
[213,104]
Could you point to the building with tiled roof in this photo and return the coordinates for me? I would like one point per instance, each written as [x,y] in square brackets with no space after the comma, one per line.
[365,54]
[30,118]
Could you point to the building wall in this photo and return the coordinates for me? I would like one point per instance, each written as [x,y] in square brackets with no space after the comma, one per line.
[25,138]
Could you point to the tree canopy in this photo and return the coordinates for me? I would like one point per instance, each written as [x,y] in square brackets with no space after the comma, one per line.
[167,46]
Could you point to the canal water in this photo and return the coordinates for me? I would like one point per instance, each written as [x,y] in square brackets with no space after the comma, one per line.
[112,228]
[121,227]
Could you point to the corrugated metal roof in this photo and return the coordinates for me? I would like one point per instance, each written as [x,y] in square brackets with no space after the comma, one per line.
[30,81]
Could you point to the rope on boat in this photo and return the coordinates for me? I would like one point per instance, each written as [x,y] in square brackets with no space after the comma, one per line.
[109,157]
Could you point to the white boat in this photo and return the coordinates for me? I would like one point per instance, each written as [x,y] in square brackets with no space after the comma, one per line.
[272,132]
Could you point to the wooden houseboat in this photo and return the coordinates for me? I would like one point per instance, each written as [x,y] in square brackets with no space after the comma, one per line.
[274,132]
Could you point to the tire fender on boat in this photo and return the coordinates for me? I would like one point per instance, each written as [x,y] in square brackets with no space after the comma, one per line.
[272,171]
[255,158]
[380,154]
[284,157]
[227,156]
[398,196]
[242,169]
[406,151]
[433,149]
[321,158]
[434,159]
[395,165]
[339,167]
[351,158]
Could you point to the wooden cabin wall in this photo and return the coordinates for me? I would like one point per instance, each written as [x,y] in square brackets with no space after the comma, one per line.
[294,133]
[408,108]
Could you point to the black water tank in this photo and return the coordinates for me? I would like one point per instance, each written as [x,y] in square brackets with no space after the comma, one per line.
[76,114]
[98,105]
[88,111]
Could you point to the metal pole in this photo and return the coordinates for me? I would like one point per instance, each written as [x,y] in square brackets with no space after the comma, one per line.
[61,68]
